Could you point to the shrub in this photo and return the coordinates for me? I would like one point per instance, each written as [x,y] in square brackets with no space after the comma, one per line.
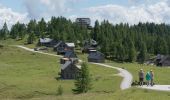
[60,90]
[1,46]
[33,53]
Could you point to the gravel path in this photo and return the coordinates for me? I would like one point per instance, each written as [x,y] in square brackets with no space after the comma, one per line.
[32,50]
[157,87]
[127,76]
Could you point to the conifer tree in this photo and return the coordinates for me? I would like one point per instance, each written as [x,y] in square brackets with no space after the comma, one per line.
[96,30]
[31,38]
[83,80]
[143,53]
[4,31]
[131,52]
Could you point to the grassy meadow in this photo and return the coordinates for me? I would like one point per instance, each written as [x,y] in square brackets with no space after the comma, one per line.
[31,76]
[27,75]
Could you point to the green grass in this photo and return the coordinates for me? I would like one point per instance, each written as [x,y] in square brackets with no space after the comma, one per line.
[130,94]
[31,76]
[12,42]
[27,75]
[161,74]
[18,42]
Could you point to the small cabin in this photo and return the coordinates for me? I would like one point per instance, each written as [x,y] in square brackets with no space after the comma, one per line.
[69,67]
[62,47]
[45,41]
[70,54]
[87,49]
[69,70]
[163,60]
[70,46]
[96,56]
[89,45]
[93,43]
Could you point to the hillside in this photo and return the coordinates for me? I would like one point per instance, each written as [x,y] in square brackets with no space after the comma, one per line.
[32,76]
[27,75]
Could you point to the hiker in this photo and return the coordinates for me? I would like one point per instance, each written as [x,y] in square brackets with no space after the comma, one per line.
[148,78]
[141,77]
[152,77]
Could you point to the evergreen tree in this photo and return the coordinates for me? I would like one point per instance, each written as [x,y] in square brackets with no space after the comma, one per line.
[96,30]
[31,38]
[83,80]
[4,31]
[32,27]
[21,30]
[121,53]
[143,53]
[132,52]
[18,31]
[160,46]
[42,27]
[14,31]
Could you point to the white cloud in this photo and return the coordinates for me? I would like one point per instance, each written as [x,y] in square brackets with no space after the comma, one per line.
[48,8]
[158,13]
[138,12]
[11,17]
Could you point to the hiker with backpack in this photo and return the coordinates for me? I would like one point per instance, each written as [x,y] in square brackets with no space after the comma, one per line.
[148,78]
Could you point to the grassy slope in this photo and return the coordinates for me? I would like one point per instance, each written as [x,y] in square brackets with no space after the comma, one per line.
[26,75]
[38,81]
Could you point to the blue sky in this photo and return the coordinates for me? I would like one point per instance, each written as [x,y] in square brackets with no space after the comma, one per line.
[18,5]
[116,11]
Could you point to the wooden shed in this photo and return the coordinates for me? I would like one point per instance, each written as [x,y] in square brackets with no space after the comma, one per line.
[62,47]
[96,56]
[69,69]
[69,65]
[163,61]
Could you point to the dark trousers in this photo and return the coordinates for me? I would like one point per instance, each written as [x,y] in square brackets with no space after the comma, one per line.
[140,81]
[151,82]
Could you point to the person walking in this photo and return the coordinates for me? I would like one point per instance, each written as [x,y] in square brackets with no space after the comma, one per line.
[141,77]
[148,78]
[152,77]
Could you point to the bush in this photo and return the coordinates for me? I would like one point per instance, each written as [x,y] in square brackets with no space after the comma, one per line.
[1,46]
[60,90]
[33,53]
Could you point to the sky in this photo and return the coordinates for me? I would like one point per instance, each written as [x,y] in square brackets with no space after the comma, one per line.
[116,11]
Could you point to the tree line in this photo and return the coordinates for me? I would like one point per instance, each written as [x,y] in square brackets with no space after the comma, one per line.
[122,42]
[130,43]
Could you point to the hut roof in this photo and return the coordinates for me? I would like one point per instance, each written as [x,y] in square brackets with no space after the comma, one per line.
[45,40]
[68,63]
[70,44]
[70,54]
[96,55]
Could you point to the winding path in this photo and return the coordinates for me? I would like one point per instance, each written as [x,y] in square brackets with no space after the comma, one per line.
[127,76]
[32,50]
